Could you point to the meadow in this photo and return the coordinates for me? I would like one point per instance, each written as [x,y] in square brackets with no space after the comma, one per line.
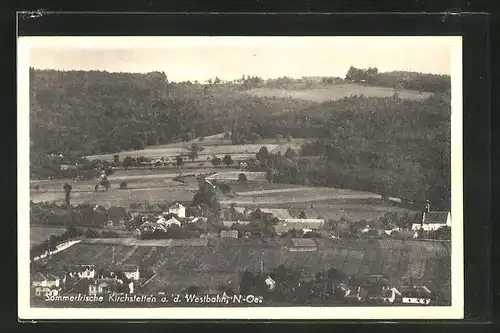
[39,234]
[159,186]
[211,145]
[338,91]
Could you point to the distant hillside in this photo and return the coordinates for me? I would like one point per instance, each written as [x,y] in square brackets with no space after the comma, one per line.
[92,112]
[400,79]
[338,91]
[388,144]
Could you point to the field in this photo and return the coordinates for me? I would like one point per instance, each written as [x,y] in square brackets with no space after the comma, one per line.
[335,92]
[421,261]
[211,146]
[158,186]
[39,234]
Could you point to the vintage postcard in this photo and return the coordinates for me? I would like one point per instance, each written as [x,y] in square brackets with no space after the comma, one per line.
[240,178]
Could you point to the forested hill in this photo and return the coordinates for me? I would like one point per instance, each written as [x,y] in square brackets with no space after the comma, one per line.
[92,112]
[396,146]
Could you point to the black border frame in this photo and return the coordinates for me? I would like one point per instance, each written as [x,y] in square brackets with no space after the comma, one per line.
[473,27]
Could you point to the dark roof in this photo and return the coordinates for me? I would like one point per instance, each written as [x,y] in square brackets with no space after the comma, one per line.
[436,218]
[176,205]
[229,233]
[303,242]
[229,224]
[286,226]
[152,225]
[125,268]
[403,234]
[80,268]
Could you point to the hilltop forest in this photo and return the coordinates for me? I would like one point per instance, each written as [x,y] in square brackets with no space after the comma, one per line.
[387,144]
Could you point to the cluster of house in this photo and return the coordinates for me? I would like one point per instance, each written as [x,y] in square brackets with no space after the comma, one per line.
[377,291]
[431,221]
[86,280]
[412,295]
[176,215]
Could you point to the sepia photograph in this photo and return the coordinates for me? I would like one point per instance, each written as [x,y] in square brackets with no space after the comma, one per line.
[240,177]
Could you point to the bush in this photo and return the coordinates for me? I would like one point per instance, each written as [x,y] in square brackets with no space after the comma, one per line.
[123,185]
[91,233]
[224,188]
[109,234]
[242,177]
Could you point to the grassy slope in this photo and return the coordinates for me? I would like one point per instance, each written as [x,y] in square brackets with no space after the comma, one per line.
[338,91]
[428,262]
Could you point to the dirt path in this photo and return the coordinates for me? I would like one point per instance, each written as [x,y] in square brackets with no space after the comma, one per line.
[281,190]
[59,248]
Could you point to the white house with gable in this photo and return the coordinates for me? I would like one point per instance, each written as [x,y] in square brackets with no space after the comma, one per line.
[131,272]
[82,271]
[433,221]
[177,209]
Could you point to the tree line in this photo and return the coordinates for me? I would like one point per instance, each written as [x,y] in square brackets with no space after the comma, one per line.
[400,79]
[389,145]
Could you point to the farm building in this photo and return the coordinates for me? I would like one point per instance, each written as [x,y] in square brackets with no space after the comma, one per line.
[433,221]
[279,213]
[415,295]
[151,227]
[305,225]
[303,245]
[171,221]
[107,285]
[46,291]
[45,280]
[131,272]
[82,271]
[245,211]
[229,224]
[177,209]
[229,234]
[271,284]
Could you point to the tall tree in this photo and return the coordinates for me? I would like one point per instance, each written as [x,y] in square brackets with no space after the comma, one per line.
[193,152]
[67,191]
[227,160]
[179,161]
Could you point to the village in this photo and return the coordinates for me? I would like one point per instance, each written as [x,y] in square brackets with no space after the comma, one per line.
[188,223]
[297,191]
